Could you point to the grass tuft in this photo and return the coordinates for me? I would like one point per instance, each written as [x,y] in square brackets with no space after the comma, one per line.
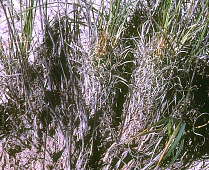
[119,85]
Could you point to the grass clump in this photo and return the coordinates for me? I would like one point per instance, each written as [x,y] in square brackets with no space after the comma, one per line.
[134,96]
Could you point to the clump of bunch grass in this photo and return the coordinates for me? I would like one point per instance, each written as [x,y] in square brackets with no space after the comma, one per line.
[165,87]
[135,100]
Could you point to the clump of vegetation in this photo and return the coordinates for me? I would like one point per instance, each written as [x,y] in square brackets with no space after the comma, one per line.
[135,95]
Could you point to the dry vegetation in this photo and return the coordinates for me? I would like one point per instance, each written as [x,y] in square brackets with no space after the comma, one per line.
[132,92]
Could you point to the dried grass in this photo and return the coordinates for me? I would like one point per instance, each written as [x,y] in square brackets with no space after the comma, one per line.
[134,99]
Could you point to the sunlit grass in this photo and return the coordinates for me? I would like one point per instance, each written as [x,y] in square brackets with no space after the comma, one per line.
[133,97]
